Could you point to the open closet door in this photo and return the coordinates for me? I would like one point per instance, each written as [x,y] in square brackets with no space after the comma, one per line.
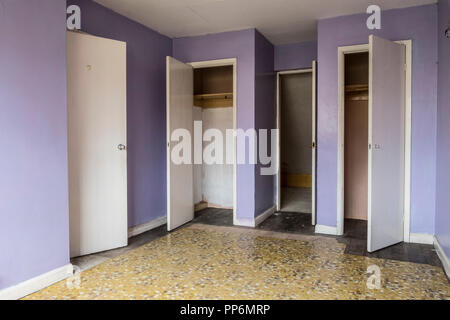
[314,143]
[386,143]
[180,177]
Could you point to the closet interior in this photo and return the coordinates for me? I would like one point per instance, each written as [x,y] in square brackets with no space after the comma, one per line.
[356,143]
[296,119]
[213,105]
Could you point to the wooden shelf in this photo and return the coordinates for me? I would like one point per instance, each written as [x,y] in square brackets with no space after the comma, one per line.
[356,88]
[214,100]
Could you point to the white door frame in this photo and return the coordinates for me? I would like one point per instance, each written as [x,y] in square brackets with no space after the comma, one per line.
[222,63]
[278,159]
[342,51]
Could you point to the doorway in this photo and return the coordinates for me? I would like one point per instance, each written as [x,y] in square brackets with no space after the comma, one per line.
[296,122]
[388,143]
[355,140]
[201,91]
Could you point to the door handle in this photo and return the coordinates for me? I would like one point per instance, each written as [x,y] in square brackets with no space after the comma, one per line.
[121,147]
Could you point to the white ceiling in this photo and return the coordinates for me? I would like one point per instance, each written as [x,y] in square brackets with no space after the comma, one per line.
[281,21]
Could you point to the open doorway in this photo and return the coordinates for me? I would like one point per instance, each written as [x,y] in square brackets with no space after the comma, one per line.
[356,139]
[296,153]
[214,107]
[201,91]
[385,153]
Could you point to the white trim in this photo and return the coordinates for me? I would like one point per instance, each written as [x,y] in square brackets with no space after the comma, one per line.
[263,216]
[278,156]
[422,238]
[326,230]
[444,259]
[341,127]
[155,223]
[253,223]
[314,147]
[221,63]
[246,222]
[37,283]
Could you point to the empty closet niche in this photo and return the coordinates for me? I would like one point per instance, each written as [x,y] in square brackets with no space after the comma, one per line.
[295,142]
[356,144]
[213,105]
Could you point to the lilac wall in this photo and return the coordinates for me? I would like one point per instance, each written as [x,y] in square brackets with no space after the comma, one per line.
[443,131]
[265,115]
[33,188]
[295,56]
[240,45]
[146,106]
[418,24]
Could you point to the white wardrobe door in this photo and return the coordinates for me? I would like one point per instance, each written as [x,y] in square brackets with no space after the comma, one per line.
[180,177]
[96,92]
[387,141]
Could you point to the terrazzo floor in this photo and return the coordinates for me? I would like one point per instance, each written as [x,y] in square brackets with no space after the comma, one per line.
[220,262]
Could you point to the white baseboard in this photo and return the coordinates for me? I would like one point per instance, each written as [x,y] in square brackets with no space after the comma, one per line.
[155,223]
[326,230]
[263,216]
[247,222]
[422,238]
[37,283]
[444,259]
[252,223]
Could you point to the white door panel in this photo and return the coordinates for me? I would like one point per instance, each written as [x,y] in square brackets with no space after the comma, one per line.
[314,142]
[387,143]
[96,113]
[180,177]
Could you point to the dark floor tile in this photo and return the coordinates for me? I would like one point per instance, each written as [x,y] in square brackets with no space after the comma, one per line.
[214,216]
[291,222]
[354,238]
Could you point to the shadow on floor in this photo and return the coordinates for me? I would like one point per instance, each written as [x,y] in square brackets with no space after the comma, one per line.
[355,238]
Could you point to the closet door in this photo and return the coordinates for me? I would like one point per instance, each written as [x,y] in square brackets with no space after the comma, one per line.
[386,143]
[314,143]
[180,177]
[96,118]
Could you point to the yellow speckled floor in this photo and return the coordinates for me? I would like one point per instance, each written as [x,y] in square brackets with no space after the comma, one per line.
[206,262]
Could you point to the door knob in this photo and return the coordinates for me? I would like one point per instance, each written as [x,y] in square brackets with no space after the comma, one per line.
[121,147]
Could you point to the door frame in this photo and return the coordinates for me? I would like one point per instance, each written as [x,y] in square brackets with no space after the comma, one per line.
[223,63]
[342,51]
[313,72]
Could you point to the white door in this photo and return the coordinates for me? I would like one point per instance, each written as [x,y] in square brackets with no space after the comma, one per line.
[180,177]
[96,112]
[386,143]
[314,142]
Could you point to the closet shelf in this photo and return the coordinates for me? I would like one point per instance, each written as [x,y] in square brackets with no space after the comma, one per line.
[214,100]
[356,88]
[210,96]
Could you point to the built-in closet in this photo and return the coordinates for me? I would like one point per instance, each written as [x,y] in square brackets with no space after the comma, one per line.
[296,123]
[356,142]
[213,105]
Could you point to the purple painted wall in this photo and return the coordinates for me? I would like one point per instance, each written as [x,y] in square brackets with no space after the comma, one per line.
[240,45]
[295,55]
[443,131]
[34,213]
[265,115]
[146,106]
[418,24]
